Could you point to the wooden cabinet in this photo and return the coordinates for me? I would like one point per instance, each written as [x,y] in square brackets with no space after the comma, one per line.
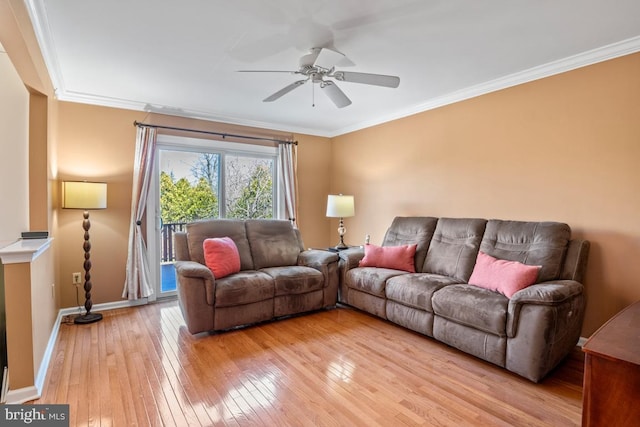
[611,395]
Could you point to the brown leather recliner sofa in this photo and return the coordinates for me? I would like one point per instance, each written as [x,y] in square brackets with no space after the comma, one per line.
[529,333]
[277,276]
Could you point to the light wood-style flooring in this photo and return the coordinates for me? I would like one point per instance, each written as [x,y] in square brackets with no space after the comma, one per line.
[340,367]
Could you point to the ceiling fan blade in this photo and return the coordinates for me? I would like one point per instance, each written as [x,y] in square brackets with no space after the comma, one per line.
[335,94]
[327,58]
[285,90]
[367,79]
[266,71]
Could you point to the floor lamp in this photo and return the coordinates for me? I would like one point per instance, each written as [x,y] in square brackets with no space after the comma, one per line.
[340,206]
[85,195]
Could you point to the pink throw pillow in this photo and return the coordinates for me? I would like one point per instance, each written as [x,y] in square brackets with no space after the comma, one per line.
[506,277]
[394,257]
[221,256]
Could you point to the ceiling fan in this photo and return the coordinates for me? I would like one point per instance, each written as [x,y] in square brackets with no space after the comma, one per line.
[319,66]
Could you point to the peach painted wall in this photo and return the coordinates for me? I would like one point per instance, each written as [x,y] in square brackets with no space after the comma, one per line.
[564,148]
[314,165]
[20,342]
[39,171]
[97,143]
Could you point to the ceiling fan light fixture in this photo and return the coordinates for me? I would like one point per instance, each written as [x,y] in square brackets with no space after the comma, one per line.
[320,63]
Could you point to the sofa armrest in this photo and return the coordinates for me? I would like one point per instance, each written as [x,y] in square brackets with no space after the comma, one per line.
[349,258]
[196,295]
[552,294]
[316,258]
[193,269]
[544,323]
[327,263]
[192,274]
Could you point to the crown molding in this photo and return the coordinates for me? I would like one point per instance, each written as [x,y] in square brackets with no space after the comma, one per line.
[605,53]
[92,99]
[36,11]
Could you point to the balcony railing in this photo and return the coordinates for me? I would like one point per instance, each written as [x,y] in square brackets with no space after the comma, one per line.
[168,229]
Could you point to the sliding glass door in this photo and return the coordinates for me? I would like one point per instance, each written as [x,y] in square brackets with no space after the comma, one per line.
[199,179]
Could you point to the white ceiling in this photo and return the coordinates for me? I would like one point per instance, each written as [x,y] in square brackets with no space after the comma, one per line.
[182,57]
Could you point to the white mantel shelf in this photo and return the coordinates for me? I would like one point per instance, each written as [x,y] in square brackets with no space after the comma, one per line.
[24,250]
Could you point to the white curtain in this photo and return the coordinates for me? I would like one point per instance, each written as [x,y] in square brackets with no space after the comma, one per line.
[137,283]
[288,154]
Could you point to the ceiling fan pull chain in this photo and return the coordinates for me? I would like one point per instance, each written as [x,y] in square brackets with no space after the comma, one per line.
[313,95]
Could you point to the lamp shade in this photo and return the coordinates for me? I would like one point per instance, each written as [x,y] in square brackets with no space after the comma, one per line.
[84,195]
[340,206]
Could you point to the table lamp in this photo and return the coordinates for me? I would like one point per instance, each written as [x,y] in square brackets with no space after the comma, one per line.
[340,206]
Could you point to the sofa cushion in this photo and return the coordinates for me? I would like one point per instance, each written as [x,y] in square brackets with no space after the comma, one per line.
[295,279]
[506,277]
[531,243]
[454,247]
[273,243]
[393,257]
[221,256]
[243,288]
[408,230]
[370,279]
[415,290]
[472,306]
[198,231]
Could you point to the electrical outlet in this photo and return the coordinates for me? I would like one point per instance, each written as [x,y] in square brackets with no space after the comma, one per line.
[77,278]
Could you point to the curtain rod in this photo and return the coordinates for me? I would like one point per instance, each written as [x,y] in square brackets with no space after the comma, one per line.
[223,135]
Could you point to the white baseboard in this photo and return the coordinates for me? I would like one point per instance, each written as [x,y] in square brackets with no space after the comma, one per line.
[102,307]
[22,395]
[34,392]
[44,365]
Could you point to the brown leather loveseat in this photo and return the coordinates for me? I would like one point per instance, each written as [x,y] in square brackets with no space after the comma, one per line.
[277,276]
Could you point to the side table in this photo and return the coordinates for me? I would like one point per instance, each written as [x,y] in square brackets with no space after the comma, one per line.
[611,392]
[336,250]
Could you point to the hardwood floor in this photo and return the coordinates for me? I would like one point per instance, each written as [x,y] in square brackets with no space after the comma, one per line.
[140,366]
